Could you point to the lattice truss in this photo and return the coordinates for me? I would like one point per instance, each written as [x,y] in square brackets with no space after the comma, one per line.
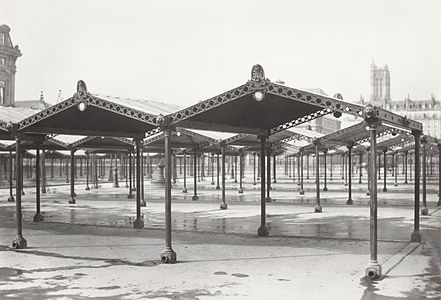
[327,104]
[89,100]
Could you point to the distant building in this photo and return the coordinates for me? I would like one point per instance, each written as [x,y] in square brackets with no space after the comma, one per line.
[426,111]
[8,57]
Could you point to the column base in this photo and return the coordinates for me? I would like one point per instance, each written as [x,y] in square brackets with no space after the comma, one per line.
[223,205]
[424,211]
[73,194]
[346,184]
[235,181]
[19,242]
[275,181]
[415,237]
[67,180]
[263,230]
[195,198]
[87,188]
[138,224]
[240,191]
[317,209]
[254,183]
[325,189]
[384,189]
[268,199]
[72,200]
[11,198]
[212,183]
[38,217]
[396,184]
[143,203]
[302,192]
[22,193]
[115,185]
[368,193]
[130,196]
[349,202]
[184,191]
[405,182]
[134,189]
[373,270]
[168,256]
[218,188]
[359,182]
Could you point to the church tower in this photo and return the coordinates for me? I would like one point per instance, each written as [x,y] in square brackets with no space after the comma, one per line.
[8,56]
[380,86]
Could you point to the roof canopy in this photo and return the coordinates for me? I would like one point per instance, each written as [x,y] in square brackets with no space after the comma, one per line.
[88,114]
[262,107]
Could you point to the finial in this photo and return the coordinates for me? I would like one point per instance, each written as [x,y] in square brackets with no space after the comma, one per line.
[41,96]
[257,73]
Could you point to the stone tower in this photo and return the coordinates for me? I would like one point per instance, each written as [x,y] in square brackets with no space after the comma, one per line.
[8,55]
[380,86]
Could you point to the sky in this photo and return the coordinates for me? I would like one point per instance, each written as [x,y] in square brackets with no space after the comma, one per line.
[186,51]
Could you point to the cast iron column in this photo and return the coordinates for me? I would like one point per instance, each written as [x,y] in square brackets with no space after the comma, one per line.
[300,170]
[240,171]
[424,209]
[19,242]
[185,172]
[416,236]
[254,168]
[130,196]
[72,177]
[223,204]
[345,162]
[396,168]
[212,168]
[217,171]
[373,269]
[263,229]
[307,166]
[87,172]
[384,171]
[405,167]
[317,207]
[268,175]
[350,201]
[138,223]
[141,177]
[168,255]
[11,196]
[43,172]
[360,167]
[235,168]
[115,173]
[274,168]
[439,174]
[195,174]
[38,217]
[325,188]
[330,167]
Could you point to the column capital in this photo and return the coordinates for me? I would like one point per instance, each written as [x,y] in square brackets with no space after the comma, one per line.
[417,133]
[423,139]
[371,117]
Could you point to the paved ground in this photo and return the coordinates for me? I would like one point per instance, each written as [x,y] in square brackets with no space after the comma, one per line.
[89,250]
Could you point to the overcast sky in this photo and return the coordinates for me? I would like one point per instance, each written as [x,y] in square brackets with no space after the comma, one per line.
[185,51]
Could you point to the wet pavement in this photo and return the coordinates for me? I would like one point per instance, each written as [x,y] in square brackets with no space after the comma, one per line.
[81,251]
